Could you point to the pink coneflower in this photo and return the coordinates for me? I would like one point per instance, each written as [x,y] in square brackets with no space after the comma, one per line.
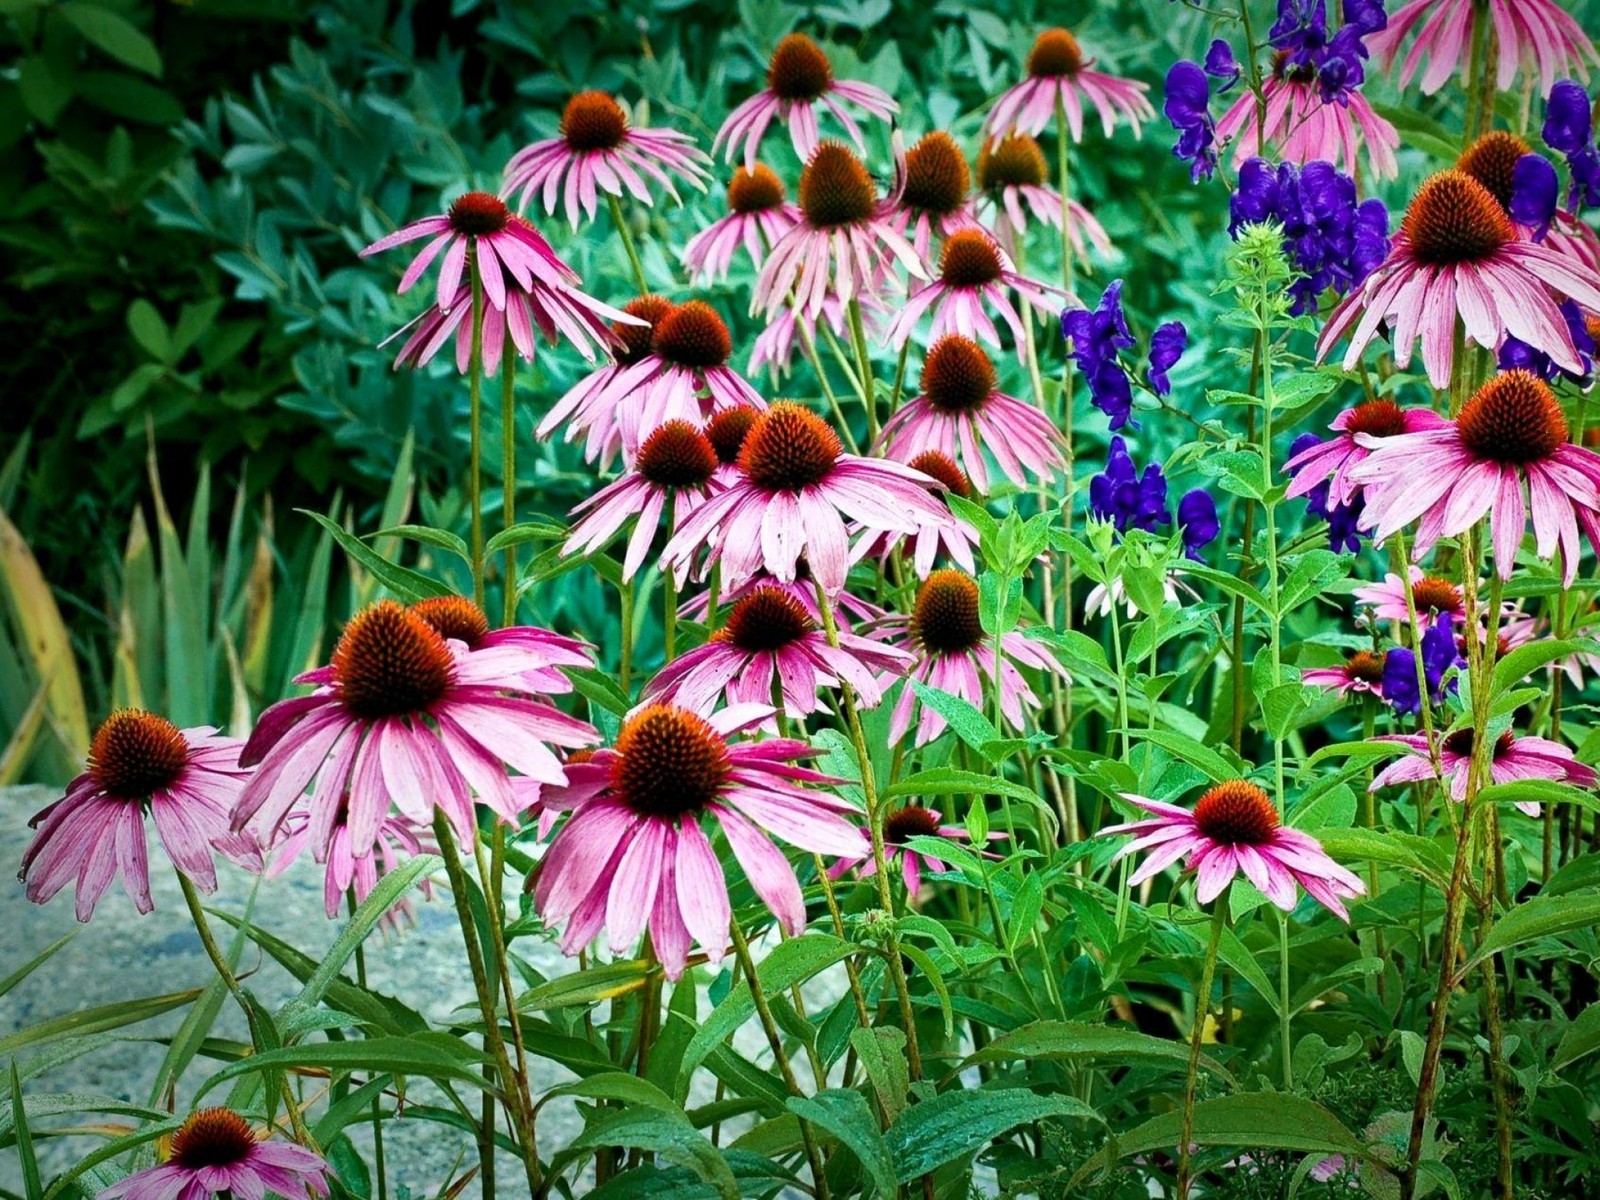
[759,213]
[1512,758]
[592,406]
[215,1152]
[502,243]
[401,715]
[685,377]
[1361,672]
[771,638]
[344,873]
[1510,430]
[797,486]
[1233,827]
[799,77]
[555,310]
[1058,73]
[1013,181]
[1332,459]
[1430,593]
[962,414]
[186,779]
[955,540]
[1301,127]
[845,245]
[1457,253]
[536,656]
[905,823]
[975,274]
[1529,33]
[598,151]
[633,854]
[774,346]
[672,473]
[935,198]
[847,607]
[955,655]
[726,431]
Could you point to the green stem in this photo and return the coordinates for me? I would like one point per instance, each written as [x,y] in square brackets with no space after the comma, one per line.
[494,1042]
[475,480]
[621,222]
[775,1042]
[377,1108]
[1202,1009]
[625,666]
[508,473]
[219,962]
[869,400]
[809,345]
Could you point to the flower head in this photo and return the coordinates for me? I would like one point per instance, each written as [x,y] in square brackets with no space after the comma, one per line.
[634,855]
[961,413]
[770,639]
[955,655]
[1537,34]
[1167,345]
[186,780]
[1361,672]
[403,716]
[1316,462]
[1457,255]
[1096,339]
[1125,497]
[215,1152]
[846,242]
[899,827]
[1188,107]
[1234,827]
[1510,759]
[1013,182]
[759,213]
[1511,433]
[1440,654]
[975,275]
[503,245]
[935,197]
[795,488]
[1059,73]
[598,150]
[799,80]
[1302,125]
[1197,522]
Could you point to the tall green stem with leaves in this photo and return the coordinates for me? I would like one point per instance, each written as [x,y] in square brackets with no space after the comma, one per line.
[508,473]
[1202,1010]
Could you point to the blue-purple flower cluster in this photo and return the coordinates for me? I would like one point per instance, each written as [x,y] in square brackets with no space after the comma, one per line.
[1337,61]
[1333,241]
[1096,338]
[1130,499]
[1342,519]
[1517,355]
[1188,106]
[1569,130]
[1440,652]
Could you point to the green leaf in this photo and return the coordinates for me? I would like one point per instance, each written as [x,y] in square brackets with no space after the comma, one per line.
[949,781]
[1081,1041]
[429,536]
[969,723]
[1237,956]
[1231,584]
[1542,916]
[32,1184]
[363,921]
[582,988]
[955,1125]
[114,34]
[34,963]
[524,532]
[408,585]
[848,1117]
[1404,850]
[1359,751]
[1538,791]
[670,1136]
[1283,706]
[96,1020]
[1518,664]
[791,962]
[882,1051]
[1275,1121]
[625,1089]
[150,331]
[432,1055]
[1217,768]
[1582,1037]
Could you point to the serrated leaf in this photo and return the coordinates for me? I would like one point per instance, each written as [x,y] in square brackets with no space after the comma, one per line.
[955,1125]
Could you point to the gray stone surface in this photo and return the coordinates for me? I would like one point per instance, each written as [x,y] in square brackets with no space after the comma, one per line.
[120,956]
